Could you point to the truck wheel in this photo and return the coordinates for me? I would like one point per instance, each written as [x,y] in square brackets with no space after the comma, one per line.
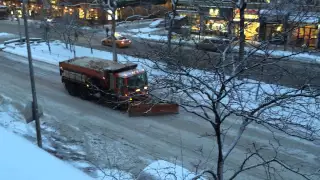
[70,88]
[84,93]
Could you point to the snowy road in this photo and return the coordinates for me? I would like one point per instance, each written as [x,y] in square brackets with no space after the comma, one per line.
[286,73]
[111,138]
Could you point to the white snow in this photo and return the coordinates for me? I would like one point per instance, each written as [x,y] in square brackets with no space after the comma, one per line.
[144,30]
[148,36]
[21,160]
[114,174]
[59,53]
[164,170]
[11,120]
[104,173]
[86,28]
[6,35]
[297,56]
[155,23]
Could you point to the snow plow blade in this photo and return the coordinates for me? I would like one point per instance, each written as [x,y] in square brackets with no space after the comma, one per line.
[141,109]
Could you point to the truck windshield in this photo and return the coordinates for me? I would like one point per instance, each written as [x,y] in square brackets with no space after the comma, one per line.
[138,80]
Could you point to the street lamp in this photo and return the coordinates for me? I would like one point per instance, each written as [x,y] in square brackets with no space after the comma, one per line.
[35,112]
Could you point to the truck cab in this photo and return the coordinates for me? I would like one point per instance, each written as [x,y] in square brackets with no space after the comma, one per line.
[132,84]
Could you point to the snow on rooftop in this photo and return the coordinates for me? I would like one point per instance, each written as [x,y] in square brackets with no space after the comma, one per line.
[130,73]
[21,160]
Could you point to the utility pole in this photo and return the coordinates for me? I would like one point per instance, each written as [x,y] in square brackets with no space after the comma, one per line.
[242,6]
[35,113]
[113,31]
[112,5]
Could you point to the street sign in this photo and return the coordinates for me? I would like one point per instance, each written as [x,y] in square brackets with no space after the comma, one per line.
[27,112]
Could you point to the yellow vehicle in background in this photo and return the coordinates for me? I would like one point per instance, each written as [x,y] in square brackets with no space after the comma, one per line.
[121,41]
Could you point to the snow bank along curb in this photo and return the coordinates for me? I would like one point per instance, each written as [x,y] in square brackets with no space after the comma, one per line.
[297,56]
[11,121]
[53,142]
[164,170]
[160,39]
[59,52]
[18,166]
[2,47]
[6,35]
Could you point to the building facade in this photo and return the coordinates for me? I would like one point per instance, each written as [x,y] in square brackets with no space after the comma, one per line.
[278,21]
[88,10]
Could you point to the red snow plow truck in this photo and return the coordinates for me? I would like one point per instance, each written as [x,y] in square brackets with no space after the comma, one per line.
[122,85]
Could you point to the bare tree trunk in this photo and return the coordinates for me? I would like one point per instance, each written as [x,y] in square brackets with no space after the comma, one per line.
[47,29]
[49,47]
[242,7]
[113,31]
[220,163]
[19,27]
[174,13]
[170,34]
[285,33]
[65,40]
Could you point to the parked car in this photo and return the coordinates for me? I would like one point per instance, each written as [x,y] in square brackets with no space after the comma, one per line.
[214,45]
[121,41]
[277,40]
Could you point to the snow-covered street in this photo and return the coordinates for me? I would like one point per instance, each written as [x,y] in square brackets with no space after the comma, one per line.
[54,142]
[112,140]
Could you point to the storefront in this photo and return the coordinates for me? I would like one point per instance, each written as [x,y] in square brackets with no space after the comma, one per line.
[252,23]
[305,31]
[216,21]
[272,25]
[193,19]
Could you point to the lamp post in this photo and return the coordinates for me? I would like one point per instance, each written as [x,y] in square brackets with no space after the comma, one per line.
[35,114]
